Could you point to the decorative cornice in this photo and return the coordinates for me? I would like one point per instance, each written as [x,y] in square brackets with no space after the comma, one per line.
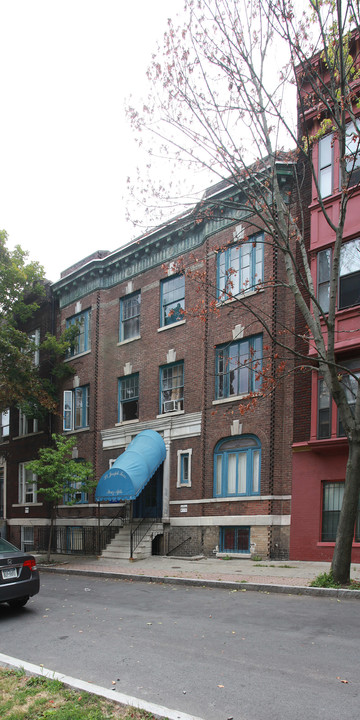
[141,255]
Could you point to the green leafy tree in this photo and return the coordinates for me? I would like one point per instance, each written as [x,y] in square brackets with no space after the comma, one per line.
[60,475]
[22,290]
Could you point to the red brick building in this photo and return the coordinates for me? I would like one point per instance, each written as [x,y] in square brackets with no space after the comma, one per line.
[320,449]
[146,359]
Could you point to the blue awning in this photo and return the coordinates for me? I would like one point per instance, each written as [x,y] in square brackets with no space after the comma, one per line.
[133,469]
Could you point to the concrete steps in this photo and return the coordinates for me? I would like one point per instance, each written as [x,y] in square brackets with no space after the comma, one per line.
[119,547]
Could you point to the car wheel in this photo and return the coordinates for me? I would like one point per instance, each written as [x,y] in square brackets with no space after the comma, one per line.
[18,602]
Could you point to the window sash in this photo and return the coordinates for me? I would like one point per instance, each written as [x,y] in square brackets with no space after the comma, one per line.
[234,539]
[172,386]
[184,468]
[128,398]
[349,276]
[237,472]
[27,485]
[172,300]
[27,425]
[323,278]
[241,267]
[325,176]
[333,494]
[352,153]
[130,317]
[76,408]
[324,410]
[5,423]
[82,342]
[238,368]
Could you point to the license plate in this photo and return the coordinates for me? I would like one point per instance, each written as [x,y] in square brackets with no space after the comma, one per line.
[9,573]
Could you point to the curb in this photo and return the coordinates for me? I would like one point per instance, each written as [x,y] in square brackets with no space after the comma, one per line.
[159,711]
[219,584]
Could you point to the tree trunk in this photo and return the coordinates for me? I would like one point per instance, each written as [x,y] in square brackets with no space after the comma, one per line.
[341,561]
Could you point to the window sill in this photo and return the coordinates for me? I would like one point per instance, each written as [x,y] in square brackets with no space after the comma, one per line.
[174,412]
[28,504]
[234,398]
[332,544]
[172,325]
[74,505]
[127,422]
[78,430]
[4,442]
[78,355]
[236,556]
[129,340]
[245,294]
[21,437]
[183,485]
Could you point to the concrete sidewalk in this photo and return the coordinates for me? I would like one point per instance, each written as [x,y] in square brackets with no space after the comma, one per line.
[270,575]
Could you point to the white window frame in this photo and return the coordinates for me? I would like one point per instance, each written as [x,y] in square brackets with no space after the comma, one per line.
[24,424]
[130,307]
[326,166]
[34,337]
[69,409]
[26,487]
[4,424]
[180,459]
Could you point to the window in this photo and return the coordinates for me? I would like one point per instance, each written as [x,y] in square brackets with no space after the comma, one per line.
[78,495]
[27,539]
[325,178]
[234,539]
[323,278]
[184,468]
[128,398]
[238,368]
[349,276]
[324,410]
[351,384]
[333,493]
[352,154]
[172,388]
[27,425]
[82,341]
[74,539]
[240,267]
[172,300]
[27,485]
[237,466]
[349,283]
[76,408]
[4,424]
[34,338]
[130,317]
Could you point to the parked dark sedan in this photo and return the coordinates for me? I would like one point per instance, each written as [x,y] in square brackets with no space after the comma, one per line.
[19,576]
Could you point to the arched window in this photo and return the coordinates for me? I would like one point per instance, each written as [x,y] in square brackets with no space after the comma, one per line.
[237,463]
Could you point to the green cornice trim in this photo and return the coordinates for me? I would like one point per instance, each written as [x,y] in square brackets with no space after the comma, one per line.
[140,256]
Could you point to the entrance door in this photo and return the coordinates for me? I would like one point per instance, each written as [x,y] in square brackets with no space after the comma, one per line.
[149,502]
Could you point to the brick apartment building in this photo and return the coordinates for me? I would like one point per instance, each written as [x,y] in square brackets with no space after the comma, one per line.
[20,439]
[320,449]
[146,360]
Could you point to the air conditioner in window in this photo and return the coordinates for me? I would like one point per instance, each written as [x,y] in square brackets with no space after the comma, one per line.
[170,405]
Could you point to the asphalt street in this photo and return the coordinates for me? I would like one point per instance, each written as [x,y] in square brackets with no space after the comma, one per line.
[214,653]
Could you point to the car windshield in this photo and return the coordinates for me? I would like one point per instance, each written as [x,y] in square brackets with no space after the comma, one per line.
[5,546]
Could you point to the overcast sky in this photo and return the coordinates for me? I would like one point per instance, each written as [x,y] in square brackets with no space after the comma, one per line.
[66,149]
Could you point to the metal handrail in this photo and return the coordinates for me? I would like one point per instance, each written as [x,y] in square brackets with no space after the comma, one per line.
[137,535]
